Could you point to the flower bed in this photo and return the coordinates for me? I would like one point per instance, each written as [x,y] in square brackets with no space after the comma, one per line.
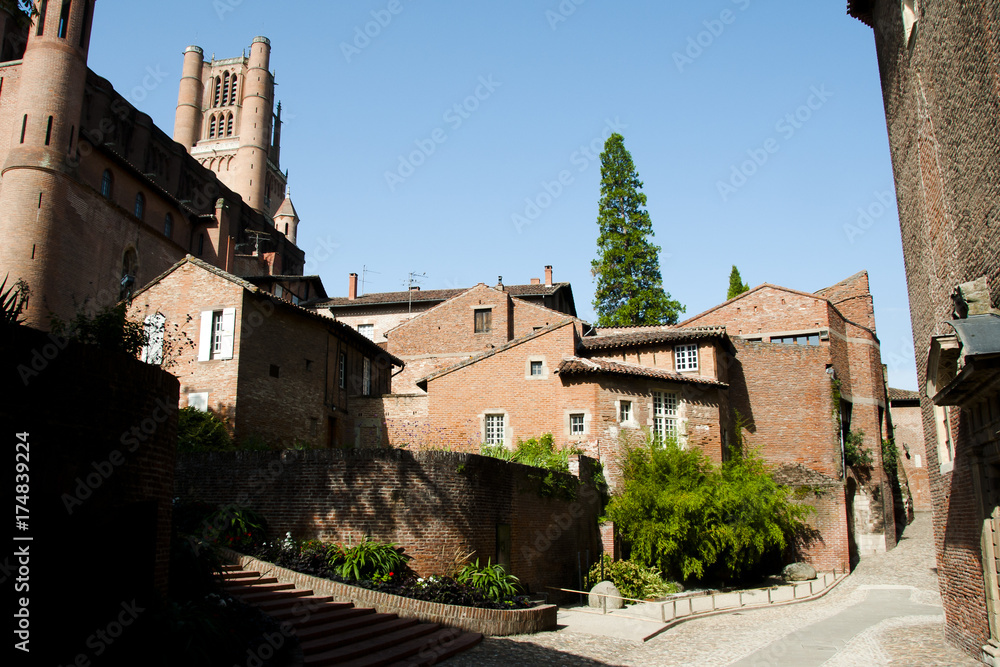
[495,622]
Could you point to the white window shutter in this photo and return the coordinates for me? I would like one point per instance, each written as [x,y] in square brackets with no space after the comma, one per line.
[152,352]
[205,338]
[228,333]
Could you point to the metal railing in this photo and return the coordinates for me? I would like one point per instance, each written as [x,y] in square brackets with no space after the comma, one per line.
[724,601]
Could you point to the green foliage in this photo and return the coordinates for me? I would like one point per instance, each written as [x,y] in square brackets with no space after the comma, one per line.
[855,452]
[199,431]
[691,519]
[108,329]
[736,284]
[890,457]
[629,284]
[13,299]
[241,527]
[492,580]
[369,558]
[537,452]
[633,580]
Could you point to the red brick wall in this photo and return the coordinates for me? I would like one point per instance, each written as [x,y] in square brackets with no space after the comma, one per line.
[831,549]
[941,108]
[909,427]
[435,504]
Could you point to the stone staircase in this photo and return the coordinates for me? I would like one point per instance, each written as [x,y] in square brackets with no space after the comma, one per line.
[338,633]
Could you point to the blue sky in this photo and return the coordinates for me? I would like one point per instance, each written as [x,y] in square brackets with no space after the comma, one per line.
[460,139]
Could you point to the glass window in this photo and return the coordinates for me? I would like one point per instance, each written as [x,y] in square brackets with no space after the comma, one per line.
[168,226]
[536,368]
[494,429]
[367,330]
[576,424]
[107,180]
[140,206]
[625,411]
[686,357]
[664,414]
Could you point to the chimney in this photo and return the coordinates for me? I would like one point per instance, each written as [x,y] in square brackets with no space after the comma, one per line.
[352,286]
[415,288]
[500,283]
[536,281]
[548,276]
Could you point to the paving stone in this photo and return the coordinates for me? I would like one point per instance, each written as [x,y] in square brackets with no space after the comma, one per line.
[903,579]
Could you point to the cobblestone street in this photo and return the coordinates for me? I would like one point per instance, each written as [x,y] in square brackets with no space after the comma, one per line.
[894,618]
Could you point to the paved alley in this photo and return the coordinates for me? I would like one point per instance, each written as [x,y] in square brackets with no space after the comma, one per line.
[887,612]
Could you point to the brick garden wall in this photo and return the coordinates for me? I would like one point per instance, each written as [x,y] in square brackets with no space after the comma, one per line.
[436,504]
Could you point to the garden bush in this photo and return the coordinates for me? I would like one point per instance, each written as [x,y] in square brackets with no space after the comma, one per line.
[492,580]
[633,580]
[688,518]
[199,431]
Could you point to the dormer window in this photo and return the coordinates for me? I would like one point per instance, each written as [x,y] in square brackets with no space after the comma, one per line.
[686,357]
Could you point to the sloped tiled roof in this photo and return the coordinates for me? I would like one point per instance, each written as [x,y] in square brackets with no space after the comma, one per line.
[796,474]
[649,336]
[417,296]
[348,332]
[581,366]
[903,395]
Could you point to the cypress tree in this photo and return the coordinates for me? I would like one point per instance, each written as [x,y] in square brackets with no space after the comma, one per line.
[736,284]
[629,285]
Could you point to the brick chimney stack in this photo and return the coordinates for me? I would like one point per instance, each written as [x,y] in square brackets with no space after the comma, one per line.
[536,281]
[548,276]
[352,286]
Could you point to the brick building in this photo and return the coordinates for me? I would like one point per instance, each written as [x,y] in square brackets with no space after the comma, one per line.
[939,69]
[96,200]
[377,313]
[908,434]
[807,373]
[277,373]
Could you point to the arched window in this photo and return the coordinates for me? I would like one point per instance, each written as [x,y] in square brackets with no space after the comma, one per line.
[225,89]
[168,226]
[140,206]
[211,129]
[130,267]
[229,125]
[232,90]
[218,91]
[107,180]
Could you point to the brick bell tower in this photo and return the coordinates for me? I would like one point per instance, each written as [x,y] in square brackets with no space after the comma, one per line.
[226,120]
[40,169]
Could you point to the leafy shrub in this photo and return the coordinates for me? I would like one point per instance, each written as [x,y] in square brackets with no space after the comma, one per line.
[368,558]
[633,580]
[537,452]
[492,580]
[890,457]
[108,329]
[855,452]
[199,431]
[690,519]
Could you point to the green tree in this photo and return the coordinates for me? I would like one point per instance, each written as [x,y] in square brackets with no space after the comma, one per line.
[736,284]
[685,516]
[629,284]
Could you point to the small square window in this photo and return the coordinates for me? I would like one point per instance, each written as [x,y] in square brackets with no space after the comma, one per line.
[576,424]
[625,411]
[686,357]
[536,368]
[367,330]
[483,320]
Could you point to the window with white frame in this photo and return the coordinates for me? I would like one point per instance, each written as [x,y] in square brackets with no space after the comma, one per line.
[536,368]
[218,332]
[367,330]
[152,352]
[493,427]
[664,414]
[625,411]
[686,357]
[576,424]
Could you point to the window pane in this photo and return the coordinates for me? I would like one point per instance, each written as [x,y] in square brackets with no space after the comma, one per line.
[536,368]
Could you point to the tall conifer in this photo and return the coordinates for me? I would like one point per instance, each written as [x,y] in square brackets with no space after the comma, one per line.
[629,285]
[736,284]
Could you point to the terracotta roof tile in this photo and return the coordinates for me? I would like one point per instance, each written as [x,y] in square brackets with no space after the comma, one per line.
[903,395]
[580,366]
[628,337]
[436,295]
